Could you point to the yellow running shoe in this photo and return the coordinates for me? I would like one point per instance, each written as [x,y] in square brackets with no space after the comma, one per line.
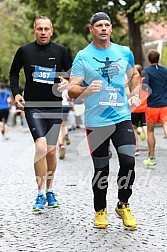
[139,130]
[101,219]
[142,136]
[149,162]
[125,214]
[67,139]
[61,151]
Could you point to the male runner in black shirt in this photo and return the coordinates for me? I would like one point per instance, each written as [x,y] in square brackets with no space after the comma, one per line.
[43,62]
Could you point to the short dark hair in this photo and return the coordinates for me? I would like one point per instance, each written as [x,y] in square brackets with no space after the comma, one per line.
[42,17]
[139,68]
[153,56]
[2,85]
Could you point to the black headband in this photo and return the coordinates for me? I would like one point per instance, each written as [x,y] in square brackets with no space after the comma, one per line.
[99,16]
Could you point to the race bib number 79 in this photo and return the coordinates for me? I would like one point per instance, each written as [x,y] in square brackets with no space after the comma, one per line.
[112,96]
[44,74]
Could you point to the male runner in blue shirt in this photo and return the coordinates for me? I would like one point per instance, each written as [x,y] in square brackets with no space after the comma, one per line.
[99,75]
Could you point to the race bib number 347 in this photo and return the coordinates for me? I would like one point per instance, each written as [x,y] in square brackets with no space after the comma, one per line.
[112,96]
[44,74]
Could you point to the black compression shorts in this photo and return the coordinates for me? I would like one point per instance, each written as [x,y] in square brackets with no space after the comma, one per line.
[138,119]
[44,123]
[4,114]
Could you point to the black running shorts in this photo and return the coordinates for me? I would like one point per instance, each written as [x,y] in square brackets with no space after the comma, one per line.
[44,123]
[4,114]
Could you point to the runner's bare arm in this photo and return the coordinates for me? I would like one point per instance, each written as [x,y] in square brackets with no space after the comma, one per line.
[75,90]
[133,87]
[133,79]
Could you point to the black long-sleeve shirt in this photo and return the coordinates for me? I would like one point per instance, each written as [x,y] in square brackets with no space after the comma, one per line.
[37,60]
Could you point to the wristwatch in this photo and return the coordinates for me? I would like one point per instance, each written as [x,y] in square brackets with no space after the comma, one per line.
[137,95]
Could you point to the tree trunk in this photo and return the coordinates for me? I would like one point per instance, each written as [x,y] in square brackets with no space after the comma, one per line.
[135,39]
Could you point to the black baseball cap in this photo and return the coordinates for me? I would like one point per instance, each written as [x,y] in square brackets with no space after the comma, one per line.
[99,16]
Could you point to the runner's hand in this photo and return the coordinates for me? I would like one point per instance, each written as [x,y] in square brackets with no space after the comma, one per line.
[63,84]
[94,87]
[19,101]
[134,101]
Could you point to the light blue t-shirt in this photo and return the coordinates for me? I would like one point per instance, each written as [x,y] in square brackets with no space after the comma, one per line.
[109,65]
[4,95]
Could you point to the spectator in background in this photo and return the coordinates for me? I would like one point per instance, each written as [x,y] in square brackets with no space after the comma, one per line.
[5,104]
[155,77]
[15,114]
[138,115]
[63,134]
[79,110]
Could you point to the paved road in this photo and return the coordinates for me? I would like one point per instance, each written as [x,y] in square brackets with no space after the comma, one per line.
[70,227]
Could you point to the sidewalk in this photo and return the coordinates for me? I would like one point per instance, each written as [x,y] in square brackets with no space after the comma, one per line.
[70,227]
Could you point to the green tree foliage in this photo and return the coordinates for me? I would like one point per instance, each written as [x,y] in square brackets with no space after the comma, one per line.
[15,31]
[70,21]
[72,16]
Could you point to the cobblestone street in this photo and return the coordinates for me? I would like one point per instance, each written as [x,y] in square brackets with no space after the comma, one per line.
[69,228]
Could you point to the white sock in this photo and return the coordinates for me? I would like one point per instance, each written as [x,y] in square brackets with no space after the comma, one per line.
[40,191]
[49,190]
